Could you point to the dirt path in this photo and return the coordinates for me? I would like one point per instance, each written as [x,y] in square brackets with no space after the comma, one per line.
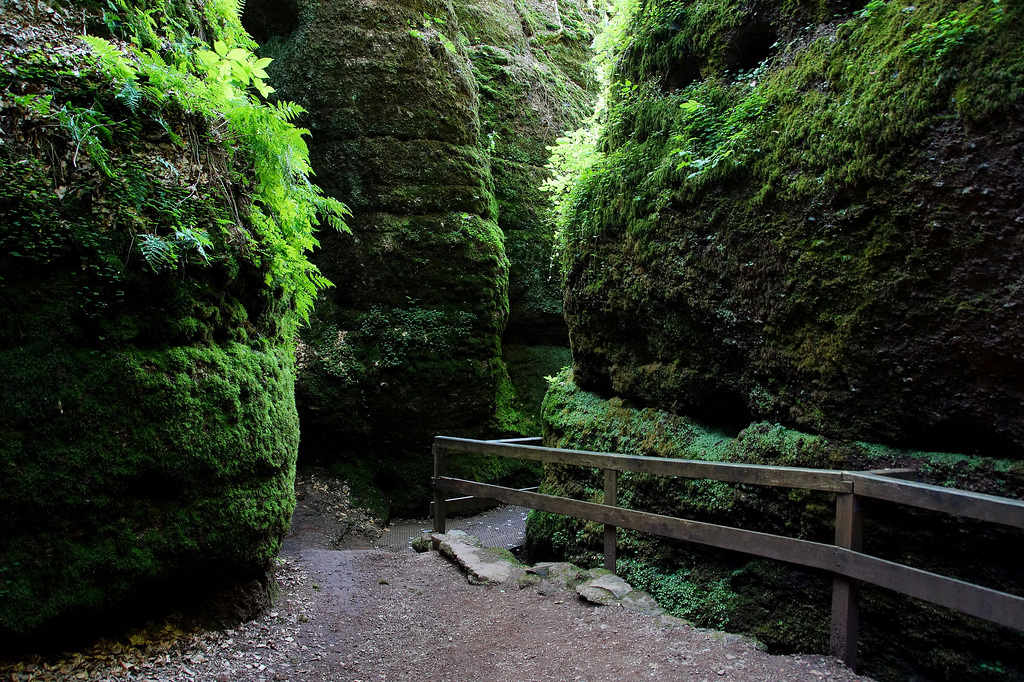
[406,616]
[372,615]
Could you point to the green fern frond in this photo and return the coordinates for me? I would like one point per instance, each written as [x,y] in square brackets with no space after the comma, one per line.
[158,253]
[175,138]
[225,81]
[111,58]
[130,95]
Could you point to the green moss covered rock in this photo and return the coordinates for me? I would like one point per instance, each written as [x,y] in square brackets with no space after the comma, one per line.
[148,430]
[531,61]
[430,121]
[809,214]
[407,344]
[532,65]
[786,608]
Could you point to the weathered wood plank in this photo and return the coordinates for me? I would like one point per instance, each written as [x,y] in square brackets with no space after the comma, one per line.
[802,552]
[787,477]
[526,440]
[845,611]
[958,502]
[904,474]
[440,506]
[974,600]
[611,496]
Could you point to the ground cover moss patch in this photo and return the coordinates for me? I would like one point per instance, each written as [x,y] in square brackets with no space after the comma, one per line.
[786,608]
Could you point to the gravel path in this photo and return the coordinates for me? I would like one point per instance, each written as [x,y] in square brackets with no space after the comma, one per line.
[503,527]
[371,615]
[406,616]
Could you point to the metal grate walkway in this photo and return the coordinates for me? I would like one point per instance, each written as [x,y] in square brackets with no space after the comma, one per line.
[503,527]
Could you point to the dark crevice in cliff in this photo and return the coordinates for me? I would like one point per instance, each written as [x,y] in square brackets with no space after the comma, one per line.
[264,19]
[751,45]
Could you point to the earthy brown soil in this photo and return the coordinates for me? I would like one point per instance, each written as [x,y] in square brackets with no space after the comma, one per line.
[371,615]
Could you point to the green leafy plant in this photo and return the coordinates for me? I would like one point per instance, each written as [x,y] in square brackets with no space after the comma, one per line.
[871,8]
[939,38]
[398,333]
[227,85]
[88,128]
[433,24]
[718,132]
[576,156]
[236,69]
[572,157]
[185,245]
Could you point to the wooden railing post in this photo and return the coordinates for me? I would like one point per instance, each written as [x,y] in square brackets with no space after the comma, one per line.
[848,564]
[845,613]
[611,485]
[440,496]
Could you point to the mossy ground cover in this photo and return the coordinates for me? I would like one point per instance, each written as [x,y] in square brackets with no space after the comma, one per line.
[148,430]
[786,608]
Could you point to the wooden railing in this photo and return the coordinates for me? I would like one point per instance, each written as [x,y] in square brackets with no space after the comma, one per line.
[843,559]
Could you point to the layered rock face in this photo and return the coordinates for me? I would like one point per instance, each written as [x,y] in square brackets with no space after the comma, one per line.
[805,228]
[429,120]
[531,62]
[148,430]
[813,218]
[408,343]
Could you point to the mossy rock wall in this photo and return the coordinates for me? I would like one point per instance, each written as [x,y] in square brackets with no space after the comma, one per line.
[810,213]
[148,430]
[786,608]
[532,65]
[531,61]
[430,121]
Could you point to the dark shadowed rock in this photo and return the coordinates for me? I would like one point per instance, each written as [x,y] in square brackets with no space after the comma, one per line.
[407,344]
[812,219]
[430,121]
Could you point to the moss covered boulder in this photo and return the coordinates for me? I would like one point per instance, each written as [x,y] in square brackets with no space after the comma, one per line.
[408,343]
[148,430]
[430,121]
[531,61]
[810,213]
[786,608]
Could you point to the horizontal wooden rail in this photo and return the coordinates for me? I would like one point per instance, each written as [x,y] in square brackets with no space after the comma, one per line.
[527,440]
[802,552]
[844,560]
[757,474]
[880,484]
[974,600]
[957,502]
[457,505]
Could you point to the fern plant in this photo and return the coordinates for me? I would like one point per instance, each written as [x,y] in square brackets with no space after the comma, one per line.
[228,85]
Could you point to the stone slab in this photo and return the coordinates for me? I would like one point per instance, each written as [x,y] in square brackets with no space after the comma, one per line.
[483,565]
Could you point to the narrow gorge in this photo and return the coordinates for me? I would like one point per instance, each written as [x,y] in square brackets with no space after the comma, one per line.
[241,237]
